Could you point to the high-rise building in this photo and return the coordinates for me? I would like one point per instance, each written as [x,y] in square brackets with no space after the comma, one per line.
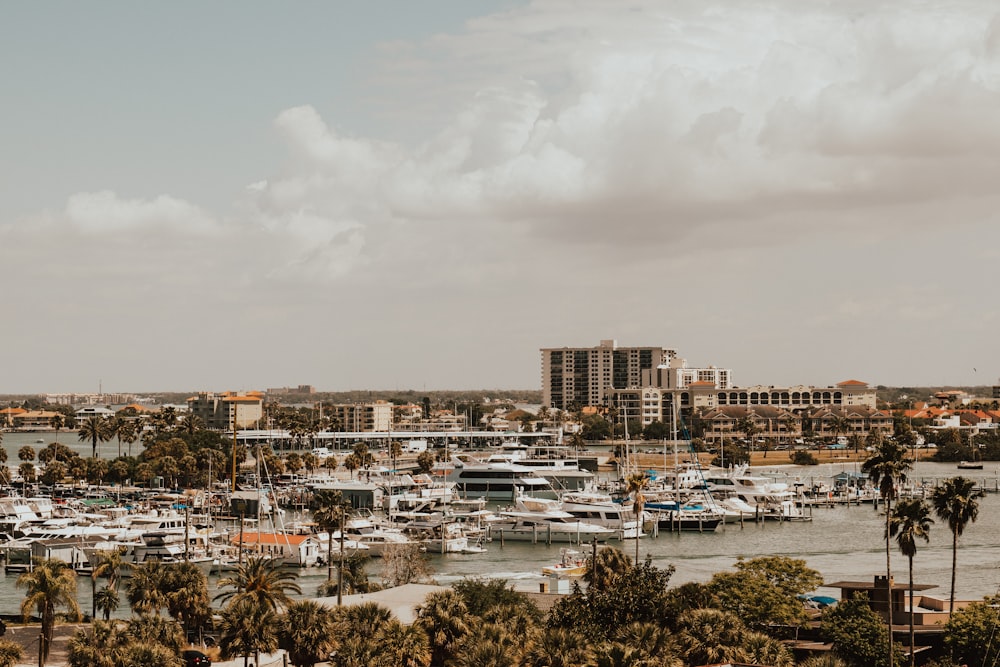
[222,411]
[573,377]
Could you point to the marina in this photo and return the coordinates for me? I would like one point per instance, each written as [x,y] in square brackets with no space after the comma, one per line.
[842,538]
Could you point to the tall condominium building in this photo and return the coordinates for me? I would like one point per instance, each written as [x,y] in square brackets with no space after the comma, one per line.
[573,377]
[221,411]
[361,417]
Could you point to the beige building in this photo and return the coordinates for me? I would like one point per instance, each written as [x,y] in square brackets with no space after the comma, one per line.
[360,417]
[221,411]
[574,377]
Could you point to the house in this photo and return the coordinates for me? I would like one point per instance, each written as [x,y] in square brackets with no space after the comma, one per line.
[300,550]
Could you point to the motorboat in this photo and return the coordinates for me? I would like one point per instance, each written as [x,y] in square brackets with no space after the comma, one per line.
[497,480]
[600,509]
[571,564]
[544,520]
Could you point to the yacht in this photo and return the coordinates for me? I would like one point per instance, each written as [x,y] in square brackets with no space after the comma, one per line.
[600,509]
[375,537]
[497,480]
[768,498]
[555,463]
[543,520]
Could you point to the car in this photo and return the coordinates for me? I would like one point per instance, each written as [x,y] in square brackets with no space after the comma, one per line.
[194,658]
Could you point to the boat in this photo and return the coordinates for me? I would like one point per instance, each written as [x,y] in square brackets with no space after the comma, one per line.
[970,465]
[599,508]
[571,564]
[543,520]
[768,498]
[555,463]
[375,537]
[688,516]
[497,480]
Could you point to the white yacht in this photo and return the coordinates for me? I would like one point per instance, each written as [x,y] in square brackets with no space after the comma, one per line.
[498,480]
[543,520]
[599,508]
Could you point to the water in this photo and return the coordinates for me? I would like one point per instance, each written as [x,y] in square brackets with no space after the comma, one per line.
[842,543]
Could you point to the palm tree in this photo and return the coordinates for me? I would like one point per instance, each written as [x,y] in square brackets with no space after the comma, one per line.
[96,429]
[329,515]
[957,502]
[248,627]
[50,584]
[708,636]
[144,590]
[886,467]
[307,630]
[105,563]
[634,486]
[839,424]
[10,653]
[106,600]
[910,521]
[446,620]
[262,580]
[406,645]
[604,566]
[557,647]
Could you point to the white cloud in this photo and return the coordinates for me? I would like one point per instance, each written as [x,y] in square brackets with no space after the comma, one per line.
[106,212]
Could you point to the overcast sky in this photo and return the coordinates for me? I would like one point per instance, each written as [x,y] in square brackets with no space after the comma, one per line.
[239,195]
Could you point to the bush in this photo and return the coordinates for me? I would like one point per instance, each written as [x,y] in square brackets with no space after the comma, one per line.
[804,458]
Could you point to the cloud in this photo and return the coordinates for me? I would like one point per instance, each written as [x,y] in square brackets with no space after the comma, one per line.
[105,212]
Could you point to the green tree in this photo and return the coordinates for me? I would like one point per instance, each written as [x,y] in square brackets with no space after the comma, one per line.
[144,590]
[956,501]
[106,601]
[970,634]
[329,512]
[307,632]
[50,584]
[858,634]
[446,620]
[634,486]
[96,429]
[887,467]
[637,594]
[764,591]
[710,636]
[557,647]
[10,653]
[425,462]
[262,580]
[247,627]
[106,563]
[910,521]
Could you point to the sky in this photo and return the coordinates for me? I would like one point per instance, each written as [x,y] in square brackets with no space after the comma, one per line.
[240,195]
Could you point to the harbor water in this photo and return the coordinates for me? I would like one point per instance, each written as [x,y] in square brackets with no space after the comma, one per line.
[842,542]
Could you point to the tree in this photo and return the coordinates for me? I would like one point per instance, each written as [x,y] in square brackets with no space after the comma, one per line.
[26,454]
[50,584]
[970,634]
[634,486]
[329,511]
[307,632]
[405,564]
[910,521]
[886,467]
[106,601]
[262,580]
[956,501]
[144,590]
[446,620]
[247,627]
[10,653]
[425,462]
[858,634]
[96,429]
[709,636]
[636,594]
[105,563]
[557,647]
[764,591]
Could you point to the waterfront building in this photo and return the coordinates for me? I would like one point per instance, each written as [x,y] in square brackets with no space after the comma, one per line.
[363,417]
[222,411]
[574,377]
